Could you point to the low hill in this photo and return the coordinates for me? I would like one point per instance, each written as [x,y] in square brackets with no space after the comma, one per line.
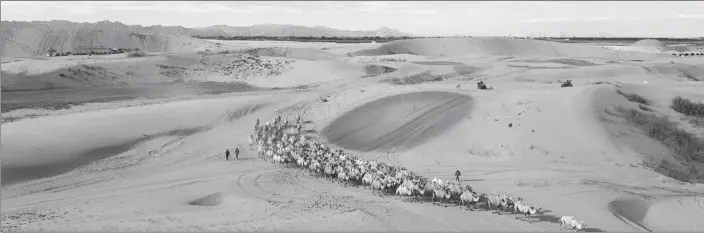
[650,45]
[21,39]
[483,47]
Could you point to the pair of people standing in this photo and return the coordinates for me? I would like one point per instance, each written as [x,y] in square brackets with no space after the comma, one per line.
[227,153]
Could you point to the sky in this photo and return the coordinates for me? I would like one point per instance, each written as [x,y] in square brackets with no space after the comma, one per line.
[422,18]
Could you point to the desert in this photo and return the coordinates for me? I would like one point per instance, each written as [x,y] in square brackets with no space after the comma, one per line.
[585,134]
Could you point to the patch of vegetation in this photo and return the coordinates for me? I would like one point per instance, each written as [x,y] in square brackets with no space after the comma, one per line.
[697,121]
[418,78]
[633,97]
[392,59]
[687,173]
[136,54]
[645,108]
[171,67]
[685,146]
[687,107]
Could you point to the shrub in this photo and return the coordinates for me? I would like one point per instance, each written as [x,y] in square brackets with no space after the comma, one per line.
[685,146]
[633,97]
[684,174]
[687,107]
[136,54]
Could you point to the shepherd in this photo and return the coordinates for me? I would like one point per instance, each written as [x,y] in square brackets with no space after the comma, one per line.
[227,154]
[458,174]
[237,153]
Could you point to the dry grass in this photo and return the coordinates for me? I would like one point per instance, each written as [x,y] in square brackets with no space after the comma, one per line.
[687,107]
[418,78]
[685,146]
[633,97]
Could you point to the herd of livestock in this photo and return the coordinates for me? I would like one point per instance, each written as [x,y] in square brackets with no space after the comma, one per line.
[690,54]
[284,143]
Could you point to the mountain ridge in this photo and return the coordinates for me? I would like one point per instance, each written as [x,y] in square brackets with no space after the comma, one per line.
[213,30]
[32,38]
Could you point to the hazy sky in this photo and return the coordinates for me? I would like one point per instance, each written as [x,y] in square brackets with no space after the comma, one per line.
[628,18]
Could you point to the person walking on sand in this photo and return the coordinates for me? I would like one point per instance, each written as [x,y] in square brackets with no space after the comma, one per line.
[237,153]
[458,174]
[227,154]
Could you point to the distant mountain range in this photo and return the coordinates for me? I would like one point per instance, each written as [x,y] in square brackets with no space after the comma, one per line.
[21,38]
[216,30]
[293,30]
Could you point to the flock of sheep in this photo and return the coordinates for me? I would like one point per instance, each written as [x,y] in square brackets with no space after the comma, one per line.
[284,143]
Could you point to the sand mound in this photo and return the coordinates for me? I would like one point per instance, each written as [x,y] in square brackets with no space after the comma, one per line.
[650,44]
[685,72]
[298,53]
[311,73]
[681,214]
[117,70]
[483,47]
[630,210]
[400,121]
[210,200]
[378,69]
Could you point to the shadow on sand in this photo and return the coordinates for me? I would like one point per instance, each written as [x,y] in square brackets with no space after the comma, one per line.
[13,175]
[631,211]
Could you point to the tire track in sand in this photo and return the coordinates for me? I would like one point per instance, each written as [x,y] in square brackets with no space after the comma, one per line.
[404,132]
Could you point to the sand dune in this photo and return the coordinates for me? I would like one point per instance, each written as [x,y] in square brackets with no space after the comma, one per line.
[484,47]
[102,134]
[650,45]
[564,149]
[401,121]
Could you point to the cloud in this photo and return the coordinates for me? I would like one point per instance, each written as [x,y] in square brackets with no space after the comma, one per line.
[292,11]
[382,6]
[80,7]
[420,12]
[690,16]
[549,20]
[599,18]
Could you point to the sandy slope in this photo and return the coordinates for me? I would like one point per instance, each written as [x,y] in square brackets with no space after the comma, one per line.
[560,151]
[33,41]
[486,47]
